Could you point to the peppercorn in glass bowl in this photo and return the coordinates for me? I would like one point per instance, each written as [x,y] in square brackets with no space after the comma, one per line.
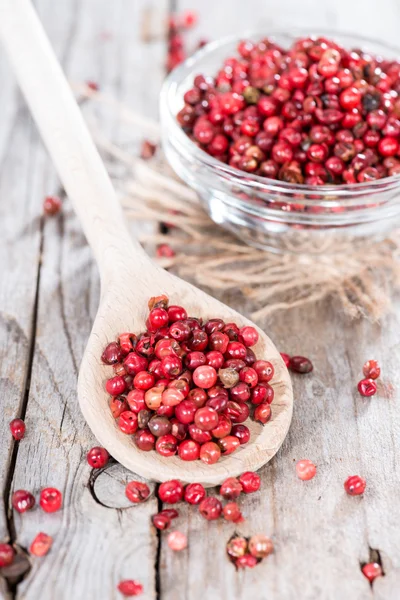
[284,215]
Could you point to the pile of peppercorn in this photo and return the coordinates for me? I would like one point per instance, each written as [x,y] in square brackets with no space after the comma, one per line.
[312,114]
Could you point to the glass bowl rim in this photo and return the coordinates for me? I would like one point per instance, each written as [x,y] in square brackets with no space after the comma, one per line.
[259,182]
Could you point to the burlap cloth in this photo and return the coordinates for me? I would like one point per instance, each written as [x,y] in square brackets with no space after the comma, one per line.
[363,280]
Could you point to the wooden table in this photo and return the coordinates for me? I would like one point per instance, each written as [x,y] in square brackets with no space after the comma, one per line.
[48,298]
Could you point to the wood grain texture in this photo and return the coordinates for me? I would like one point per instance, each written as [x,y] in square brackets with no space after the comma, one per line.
[20,232]
[94,546]
[320,534]
[128,276]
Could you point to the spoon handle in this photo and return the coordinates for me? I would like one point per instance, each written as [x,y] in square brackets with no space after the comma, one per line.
[67,138]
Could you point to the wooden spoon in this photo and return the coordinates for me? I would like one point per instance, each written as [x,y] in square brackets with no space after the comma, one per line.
[128,276]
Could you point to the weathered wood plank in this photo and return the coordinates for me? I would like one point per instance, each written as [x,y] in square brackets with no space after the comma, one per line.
[321,535]
[95,546]
[20,208]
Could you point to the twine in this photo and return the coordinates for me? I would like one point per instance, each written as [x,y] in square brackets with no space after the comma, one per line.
[361,279]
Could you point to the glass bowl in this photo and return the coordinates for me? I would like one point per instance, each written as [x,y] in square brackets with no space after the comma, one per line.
[266,213]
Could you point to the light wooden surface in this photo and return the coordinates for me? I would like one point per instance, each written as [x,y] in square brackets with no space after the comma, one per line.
[128,277]
[48,299]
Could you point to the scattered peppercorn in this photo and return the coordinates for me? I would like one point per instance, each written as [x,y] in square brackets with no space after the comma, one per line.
[130,587]
[306,470]
[52,205]
[17,428]
[355,485]
[372,570]
[41,544]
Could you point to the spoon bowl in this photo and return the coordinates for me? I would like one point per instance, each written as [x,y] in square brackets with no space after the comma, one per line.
[127,311]
[128,277]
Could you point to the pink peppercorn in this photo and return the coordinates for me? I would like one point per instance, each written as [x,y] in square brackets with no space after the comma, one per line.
[22,501]
[210,508]
[250,482]
[305,469]
[50,500]
[137,491]
[17,428]
[6,555]
[371,369]
[130,588]
[372,570]
[177,541]
[367,387]
[194,493]
[97,457]
[171,491]
[355,485]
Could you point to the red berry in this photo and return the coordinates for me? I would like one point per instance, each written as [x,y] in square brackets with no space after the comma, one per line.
[176,313]
[250,482]
[17,428]
[194,493]
[198,435]
[367,387]
[300,364]
[262,413]
[236,546]
[144,380]
[371,369]
[159,425]
[260,546]
[210,453]
[232,512]
[264,370]
[185,411]
[116,386]
[206,418]
[41,544]
[6,555]
[241,392]
[171,366]
[137,491]
[388,146]
[210,508]
[228,444]
[52,205]
[144,440]
[22,501]
[50,500]
[130,587]
[161,521]
[167,445]
[231,488]
[205,377]
[242,432]
[350,98]
[355,485]
[128,422]
[171,491]
[249,336]
[177,541]
[112,354]
[372,570]
[305,469]
[133,363]
[97,457]
[158,317]
[223,427]
[246,561]
[189,450]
